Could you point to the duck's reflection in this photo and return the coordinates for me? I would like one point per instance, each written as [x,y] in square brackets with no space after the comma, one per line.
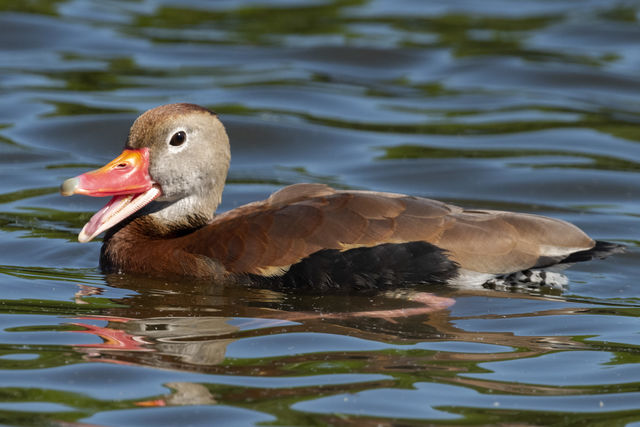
[189,327]
[183,393]
[177,342]
[193,332]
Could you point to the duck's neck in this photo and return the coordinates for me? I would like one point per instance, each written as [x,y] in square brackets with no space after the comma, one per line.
[150,242]
[144,244]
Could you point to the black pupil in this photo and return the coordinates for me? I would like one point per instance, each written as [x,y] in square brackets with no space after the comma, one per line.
[178,138]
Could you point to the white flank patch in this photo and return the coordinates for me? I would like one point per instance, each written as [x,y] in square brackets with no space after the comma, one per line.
[467,279]
[555,251]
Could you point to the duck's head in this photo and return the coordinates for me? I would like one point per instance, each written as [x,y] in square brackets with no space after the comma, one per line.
[175,163]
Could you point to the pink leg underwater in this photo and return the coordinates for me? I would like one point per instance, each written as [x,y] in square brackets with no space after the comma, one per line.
[429,304]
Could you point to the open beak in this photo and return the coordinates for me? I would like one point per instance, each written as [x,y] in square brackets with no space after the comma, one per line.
[126,178]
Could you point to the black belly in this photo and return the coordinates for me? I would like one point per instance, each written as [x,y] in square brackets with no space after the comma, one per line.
[367,269]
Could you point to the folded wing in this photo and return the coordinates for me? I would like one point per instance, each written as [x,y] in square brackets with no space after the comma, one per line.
[268,237]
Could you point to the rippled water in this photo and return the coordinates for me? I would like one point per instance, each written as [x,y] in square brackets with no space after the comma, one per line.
[531,106]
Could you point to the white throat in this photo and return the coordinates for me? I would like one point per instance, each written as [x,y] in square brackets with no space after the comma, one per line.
[176,212]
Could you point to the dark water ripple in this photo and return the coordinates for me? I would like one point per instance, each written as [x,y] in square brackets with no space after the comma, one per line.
[533,106]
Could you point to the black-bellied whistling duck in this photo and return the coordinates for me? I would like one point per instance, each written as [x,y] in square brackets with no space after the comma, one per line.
[168,182]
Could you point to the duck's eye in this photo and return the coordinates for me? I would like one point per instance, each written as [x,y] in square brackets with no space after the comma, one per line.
[178,138]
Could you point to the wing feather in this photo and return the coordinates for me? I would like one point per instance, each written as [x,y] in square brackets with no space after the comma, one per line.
[268,237]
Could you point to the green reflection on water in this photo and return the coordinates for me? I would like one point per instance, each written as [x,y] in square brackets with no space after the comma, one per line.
[602,122]
[424,152]
[116,74]
[91,80]
[487,128]
[42,273]
[45,328]
[81,406]
[42,222]
[471,35]
[44,7]
[26,194]
[74,166]
[48,357]
[621,13]
[464,34]
[255,24]
[50,307]
[74,109]
[4,139]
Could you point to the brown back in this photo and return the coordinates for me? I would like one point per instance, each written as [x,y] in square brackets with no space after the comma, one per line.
[269,236]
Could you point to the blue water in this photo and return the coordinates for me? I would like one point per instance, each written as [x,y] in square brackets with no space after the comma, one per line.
[531,106]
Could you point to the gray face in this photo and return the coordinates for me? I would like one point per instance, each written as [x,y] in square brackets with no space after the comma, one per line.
[189,159]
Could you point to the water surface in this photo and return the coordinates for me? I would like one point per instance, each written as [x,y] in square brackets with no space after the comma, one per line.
[531,106]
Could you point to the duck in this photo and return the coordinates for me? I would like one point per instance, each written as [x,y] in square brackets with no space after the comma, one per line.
[167,183]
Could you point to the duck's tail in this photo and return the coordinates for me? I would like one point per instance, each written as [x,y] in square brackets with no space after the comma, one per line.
[601,250]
